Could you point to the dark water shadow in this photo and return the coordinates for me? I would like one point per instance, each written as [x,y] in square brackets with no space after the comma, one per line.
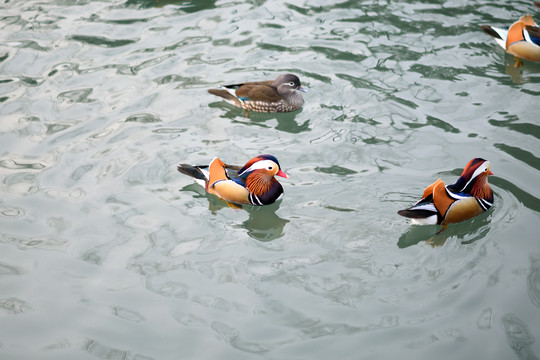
[471,230]
[528,200]
[285,121]
[214,203]
[102,41]
[263,224]
[522,155]
[512,123]
[189,6]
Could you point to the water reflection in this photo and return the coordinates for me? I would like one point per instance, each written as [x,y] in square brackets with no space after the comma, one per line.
[437,235]
[518,74]
[263,223]
[416,234]
[214,203]
[285,121]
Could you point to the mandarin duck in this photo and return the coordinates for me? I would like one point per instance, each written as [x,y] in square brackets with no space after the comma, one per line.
[252,184]
[521,39]
[279,95]
[469,196]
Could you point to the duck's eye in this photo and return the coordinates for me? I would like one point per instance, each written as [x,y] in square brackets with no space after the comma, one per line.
[269,168]
[291,84]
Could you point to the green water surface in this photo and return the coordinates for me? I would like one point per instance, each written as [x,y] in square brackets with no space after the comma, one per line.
[107,252]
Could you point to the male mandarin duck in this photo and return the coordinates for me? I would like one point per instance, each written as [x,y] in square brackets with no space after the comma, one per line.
[279,95]
[521,39]
[252,184]
[469,196]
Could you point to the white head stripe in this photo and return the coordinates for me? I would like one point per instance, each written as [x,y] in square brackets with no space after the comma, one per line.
[478,171]
[261,164]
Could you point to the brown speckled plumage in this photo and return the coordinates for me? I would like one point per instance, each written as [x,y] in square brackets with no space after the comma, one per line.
[280,95]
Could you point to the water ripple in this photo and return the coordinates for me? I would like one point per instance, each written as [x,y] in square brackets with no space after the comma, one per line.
[533,280]
[25,80]
[519,336]
[143,118]
[102,41]
[14,306]
[77,96]
[12,164]
[11,212]
[99,350]
[432,121]
[129,315]
[520,155]
[64,66]
[174,288]
[525,197]
[6,269]
[27,44]
[232,336]
[485,320]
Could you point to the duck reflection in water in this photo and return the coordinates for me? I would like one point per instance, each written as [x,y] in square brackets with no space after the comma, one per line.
[471,230]
[285,121]
[263,224]
[519,75]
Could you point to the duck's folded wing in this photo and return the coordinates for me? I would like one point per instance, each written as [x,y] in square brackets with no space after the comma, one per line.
[236,86]
[258,93]
[534,34]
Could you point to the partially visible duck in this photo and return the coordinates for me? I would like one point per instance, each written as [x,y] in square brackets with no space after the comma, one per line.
[521,39]
[469,196]
[252,184]
[279,95]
